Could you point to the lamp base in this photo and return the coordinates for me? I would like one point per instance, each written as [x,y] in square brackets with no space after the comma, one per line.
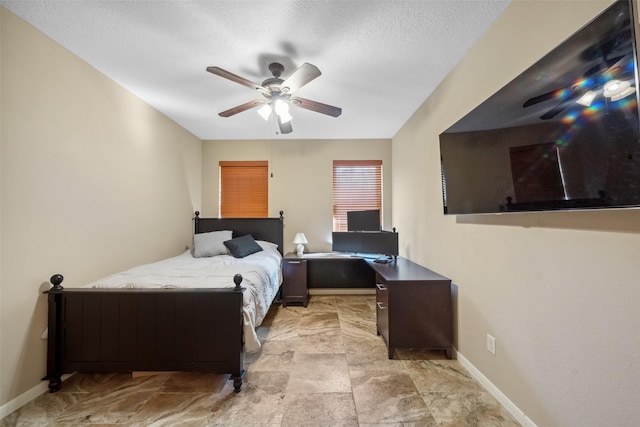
[299,249]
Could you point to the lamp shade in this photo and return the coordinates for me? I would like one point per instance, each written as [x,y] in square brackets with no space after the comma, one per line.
[300,239]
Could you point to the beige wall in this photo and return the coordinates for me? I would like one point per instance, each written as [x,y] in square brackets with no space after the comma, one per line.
[93,181]
[559,291]
[301,181]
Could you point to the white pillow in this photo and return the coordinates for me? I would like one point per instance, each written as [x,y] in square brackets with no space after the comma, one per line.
[267,245]
[210,244]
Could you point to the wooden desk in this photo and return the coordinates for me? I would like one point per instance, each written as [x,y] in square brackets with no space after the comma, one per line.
[414,304]
[414,307]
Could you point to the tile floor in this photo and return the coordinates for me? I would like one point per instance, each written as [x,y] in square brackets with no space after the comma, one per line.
[322,365]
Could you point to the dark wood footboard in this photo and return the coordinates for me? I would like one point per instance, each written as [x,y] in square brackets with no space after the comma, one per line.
[116,330]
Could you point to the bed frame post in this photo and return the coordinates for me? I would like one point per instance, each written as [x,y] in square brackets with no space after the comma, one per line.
[238,377]
[54,374]
[237,279]
[196,223]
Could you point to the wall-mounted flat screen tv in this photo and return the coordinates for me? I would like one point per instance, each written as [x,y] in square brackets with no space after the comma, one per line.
[368,220]
[563,135]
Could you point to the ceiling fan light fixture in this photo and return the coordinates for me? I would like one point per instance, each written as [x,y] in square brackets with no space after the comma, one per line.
[615,87]
[265,111]
[285,117]
[281,107]
[587,98]
[624,94]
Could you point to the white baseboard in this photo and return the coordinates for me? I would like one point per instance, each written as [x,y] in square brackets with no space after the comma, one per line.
[26,397]
[504,400]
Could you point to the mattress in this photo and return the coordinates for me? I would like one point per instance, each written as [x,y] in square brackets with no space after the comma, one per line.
[261,272]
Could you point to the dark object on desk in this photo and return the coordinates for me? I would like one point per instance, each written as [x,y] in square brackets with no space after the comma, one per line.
[366,242]
[381,260]
[364,220]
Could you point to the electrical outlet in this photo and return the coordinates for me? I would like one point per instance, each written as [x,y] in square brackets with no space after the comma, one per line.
[491,344]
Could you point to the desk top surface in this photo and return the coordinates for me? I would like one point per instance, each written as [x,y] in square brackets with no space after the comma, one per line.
[396,270]
[403,270]
[321,255]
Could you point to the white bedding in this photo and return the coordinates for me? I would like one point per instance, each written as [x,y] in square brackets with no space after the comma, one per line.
[260,271]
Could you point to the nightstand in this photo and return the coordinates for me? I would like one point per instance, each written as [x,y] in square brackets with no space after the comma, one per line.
[294,284]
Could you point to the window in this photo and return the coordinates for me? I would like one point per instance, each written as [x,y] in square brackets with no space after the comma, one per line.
[357,186]
[244,189]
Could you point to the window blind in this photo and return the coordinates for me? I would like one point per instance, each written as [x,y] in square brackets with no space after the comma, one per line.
[244,189]
[357,186]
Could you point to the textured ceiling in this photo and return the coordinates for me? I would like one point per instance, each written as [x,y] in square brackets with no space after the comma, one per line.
[379,59]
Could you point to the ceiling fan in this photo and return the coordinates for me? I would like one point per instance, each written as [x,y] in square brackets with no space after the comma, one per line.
[611,77]
[613,83]
[277,94]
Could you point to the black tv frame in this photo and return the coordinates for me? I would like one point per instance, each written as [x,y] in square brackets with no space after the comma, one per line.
[600,166]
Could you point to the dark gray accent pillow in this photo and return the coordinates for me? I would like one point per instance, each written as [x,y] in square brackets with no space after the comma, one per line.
[242,246]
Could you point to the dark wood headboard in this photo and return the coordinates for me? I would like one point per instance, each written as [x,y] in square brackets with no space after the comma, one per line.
[268,229]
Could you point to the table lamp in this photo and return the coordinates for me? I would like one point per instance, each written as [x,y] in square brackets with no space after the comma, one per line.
[299,240]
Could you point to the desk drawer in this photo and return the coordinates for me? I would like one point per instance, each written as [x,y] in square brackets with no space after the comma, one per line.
[382,309]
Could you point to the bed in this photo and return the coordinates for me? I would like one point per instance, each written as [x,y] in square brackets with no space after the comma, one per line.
[192,312]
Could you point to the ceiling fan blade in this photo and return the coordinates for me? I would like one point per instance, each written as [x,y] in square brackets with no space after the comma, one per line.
[285,127]
[240,108]
[316,106]
[606,66]
[600,68]
[300,77]
[558,108]
[541,98]
[235,78]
